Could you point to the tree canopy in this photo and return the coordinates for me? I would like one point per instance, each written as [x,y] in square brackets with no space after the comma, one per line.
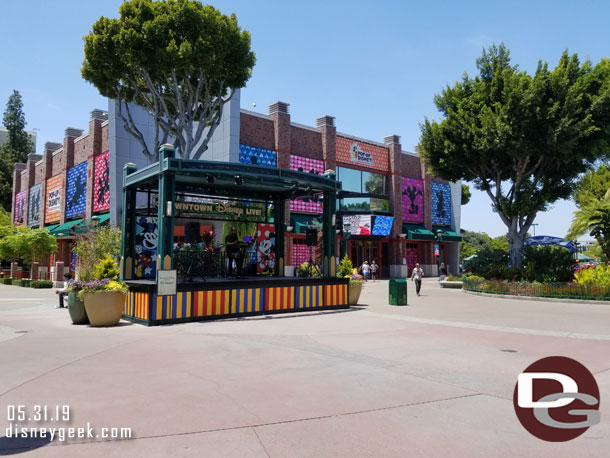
[523,139]
[466,194]
[180,60]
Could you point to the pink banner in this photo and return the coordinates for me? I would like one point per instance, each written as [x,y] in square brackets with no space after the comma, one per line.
[307,165]
[412,191]
[101,183]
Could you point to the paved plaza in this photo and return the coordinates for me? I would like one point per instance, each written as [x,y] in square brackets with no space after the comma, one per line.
[432,379]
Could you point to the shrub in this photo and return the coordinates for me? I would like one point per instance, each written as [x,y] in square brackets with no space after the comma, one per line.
[588,274]
[94,246]
[26,283]
[7,281]
[452,277]
[107,268]
[17,282]
[303,271]
[346,267]
[41,284]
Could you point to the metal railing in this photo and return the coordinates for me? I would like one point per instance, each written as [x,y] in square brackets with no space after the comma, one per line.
[583,291]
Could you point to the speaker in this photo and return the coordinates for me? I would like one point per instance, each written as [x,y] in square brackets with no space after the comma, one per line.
[191,232]
[311,236]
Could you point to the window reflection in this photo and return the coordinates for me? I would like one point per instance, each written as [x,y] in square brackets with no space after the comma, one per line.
[350,179]
[364,204]
[359,181]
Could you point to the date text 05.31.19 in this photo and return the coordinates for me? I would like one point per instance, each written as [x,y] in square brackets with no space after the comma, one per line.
[38,413]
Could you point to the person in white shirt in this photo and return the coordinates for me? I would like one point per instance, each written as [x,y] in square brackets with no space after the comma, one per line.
[417,275]
[365,270]
[64,291]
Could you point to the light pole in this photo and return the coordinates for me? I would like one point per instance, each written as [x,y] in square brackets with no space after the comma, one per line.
[534,226]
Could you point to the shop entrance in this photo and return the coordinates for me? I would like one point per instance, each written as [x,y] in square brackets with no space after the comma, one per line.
[366,250]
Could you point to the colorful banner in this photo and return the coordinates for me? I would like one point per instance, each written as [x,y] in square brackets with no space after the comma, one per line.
[76,190]
[145,264]
[350,151]
[261,156]
[101,183]
[53,199]
[307,165]
[265,251]
[412,192]
[441,204]
[34,205]
[383,225]
[412,258]
[19,215]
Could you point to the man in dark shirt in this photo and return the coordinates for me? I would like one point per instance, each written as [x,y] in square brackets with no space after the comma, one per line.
[232,247]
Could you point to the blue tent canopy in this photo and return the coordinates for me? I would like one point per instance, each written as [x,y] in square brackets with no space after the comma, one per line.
[550,240]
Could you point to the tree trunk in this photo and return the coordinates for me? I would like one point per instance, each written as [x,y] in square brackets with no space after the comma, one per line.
[515,247]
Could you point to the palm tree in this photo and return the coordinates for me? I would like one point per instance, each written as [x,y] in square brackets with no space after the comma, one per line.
[594,218]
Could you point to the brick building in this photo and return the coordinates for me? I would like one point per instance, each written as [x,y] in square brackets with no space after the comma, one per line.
[392,209]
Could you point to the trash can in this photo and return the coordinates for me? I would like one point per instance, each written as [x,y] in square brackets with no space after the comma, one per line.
[398,292]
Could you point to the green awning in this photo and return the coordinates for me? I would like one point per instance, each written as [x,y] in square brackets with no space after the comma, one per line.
[448,236]
[51,227]
[300,222]
[417,232]
[64,229]
[84,226]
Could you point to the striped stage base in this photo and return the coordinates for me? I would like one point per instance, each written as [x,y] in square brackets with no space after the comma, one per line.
[151,309]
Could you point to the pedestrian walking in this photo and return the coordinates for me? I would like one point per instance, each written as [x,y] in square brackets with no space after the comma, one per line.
[365,270]
[417,275]
[374,266]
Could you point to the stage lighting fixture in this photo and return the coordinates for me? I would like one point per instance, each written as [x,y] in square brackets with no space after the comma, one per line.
[238,179]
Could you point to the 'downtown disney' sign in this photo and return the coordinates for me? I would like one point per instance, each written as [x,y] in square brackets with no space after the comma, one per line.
[229,210]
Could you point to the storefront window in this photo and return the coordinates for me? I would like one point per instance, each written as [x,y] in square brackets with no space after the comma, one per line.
[364,204]
[373,183]
[350,179]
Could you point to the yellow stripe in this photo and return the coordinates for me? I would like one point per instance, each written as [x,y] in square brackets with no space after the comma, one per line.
[189,301]
[179,305]
[257,299]
[210,303]
[242,299]
[233,300]
[159,307]
[250,300]
[200,303]
[320,295]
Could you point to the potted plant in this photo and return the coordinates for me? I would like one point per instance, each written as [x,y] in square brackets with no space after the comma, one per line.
[104,297]
[76,307]
[346,270]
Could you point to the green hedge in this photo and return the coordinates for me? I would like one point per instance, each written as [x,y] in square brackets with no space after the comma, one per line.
[583,291]
[22,282]
[7,281]
[41,284]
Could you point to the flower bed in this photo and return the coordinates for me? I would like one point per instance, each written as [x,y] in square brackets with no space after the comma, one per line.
[584,291]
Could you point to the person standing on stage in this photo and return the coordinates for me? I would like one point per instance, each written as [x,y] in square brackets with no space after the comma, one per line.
[417,275]
[232,248]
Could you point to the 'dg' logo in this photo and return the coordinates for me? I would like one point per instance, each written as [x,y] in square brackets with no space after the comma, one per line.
[556,399]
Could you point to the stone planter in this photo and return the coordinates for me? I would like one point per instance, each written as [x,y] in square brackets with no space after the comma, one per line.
[450,284]
[354,293]
[104,308]
[77,311]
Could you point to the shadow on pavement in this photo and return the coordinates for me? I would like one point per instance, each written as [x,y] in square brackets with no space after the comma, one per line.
[16,445]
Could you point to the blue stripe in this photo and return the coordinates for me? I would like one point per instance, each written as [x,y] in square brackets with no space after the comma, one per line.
[164,310]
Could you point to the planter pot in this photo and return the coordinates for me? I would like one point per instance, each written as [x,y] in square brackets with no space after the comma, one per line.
[450,284]
[354,293]
[104,308]
[77,311]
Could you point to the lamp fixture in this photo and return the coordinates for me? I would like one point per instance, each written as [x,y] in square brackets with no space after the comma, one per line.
[238,179]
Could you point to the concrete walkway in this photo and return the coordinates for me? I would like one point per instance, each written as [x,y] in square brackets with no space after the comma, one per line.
[427,380]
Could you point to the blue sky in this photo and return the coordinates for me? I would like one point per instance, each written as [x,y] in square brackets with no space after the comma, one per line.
[375,66]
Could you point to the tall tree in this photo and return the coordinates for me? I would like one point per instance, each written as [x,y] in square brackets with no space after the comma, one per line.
[522,139]
[180,60]
[19,141]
